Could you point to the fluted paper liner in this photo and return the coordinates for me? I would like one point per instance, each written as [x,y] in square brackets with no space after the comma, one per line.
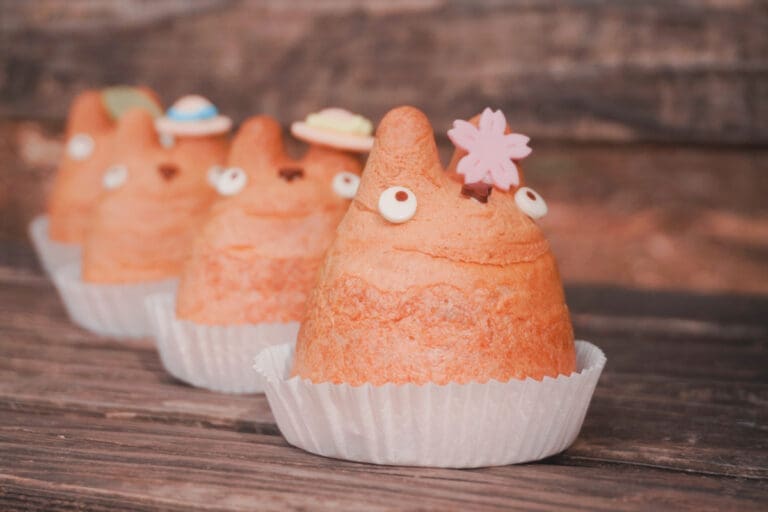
[215,357]
[114,310]
[52,255]
[455,425]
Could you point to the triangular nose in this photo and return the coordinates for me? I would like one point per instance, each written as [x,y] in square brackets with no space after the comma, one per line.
[168,170]
[405,145]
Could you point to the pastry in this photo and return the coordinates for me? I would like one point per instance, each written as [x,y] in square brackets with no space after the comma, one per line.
[435,280]
[437,334]
[89,147]
[156,194]
[259,251]
[156,200]
[90,138]
[246,283]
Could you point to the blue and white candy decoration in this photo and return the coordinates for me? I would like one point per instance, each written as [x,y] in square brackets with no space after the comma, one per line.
[192,116]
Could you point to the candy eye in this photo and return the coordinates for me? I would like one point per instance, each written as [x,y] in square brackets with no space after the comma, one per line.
[345,184]
[80,146]
[231,181]
[213,175]
[397,204]
[115,177]
[530,202]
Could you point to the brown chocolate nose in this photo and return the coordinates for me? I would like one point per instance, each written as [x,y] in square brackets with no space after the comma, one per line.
[168,171]
[479,191]
[291,173]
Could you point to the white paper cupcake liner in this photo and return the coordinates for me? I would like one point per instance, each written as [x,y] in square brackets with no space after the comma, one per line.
[115,310]
[52,255]
[215,357]
[455,425]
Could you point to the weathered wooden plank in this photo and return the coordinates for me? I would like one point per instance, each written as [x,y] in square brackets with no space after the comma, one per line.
[704,308]
[698,425]
[671,398]
[662,70]
[18,262]
[676,395]
[140,465]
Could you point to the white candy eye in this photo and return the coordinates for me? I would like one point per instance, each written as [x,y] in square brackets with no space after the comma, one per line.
[530,202]
[397,204]
[231,181]
[166,140]
[80,146]
[115,177]
[213,175]
[345,184]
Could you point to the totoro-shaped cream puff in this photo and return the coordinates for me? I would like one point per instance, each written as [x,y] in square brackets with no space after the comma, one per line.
[154,201]
[431,279]
[89,146]
[257,256]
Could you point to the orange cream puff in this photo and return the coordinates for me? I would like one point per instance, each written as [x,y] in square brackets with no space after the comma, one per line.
[441,284]
[155,200]
[245,285]
[257,256]
[90,135]
[435,276]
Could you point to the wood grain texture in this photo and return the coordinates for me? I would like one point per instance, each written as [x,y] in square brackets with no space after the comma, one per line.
[661,70]
[679,414]
[137,466]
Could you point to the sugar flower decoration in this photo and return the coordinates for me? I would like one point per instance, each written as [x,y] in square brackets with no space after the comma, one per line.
[490,152]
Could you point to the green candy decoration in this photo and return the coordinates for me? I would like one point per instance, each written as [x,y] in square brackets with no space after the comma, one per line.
[118,99]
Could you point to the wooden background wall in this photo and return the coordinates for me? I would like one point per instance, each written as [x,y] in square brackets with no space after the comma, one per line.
[610,70]
[692,74]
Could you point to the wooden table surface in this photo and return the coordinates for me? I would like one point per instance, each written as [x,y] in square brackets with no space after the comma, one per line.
[679,421]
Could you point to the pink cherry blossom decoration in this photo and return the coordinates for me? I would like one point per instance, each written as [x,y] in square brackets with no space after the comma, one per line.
[490,152]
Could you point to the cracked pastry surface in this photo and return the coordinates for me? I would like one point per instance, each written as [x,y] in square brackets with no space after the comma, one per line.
[463,291]
[259,251]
